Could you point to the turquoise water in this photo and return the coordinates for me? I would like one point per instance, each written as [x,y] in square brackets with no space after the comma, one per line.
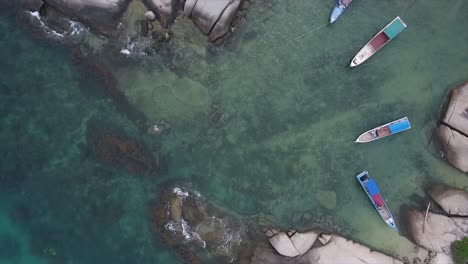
[292,111]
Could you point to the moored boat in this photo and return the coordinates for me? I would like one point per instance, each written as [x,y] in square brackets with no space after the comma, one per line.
[386,130]
[373,192]
[339,9]
[378,41]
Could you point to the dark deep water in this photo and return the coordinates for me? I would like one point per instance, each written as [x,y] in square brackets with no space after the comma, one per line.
[294,111]
[57,204]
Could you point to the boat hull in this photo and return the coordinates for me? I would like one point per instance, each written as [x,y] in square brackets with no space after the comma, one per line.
[386,130]
[373,193]
[378,41]
[338,10]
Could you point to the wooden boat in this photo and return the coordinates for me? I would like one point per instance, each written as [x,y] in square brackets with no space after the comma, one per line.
[339,9]
[373,192]
[378,41]
[386,130]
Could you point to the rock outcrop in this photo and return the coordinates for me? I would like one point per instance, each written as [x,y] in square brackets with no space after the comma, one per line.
[212,17]
[439,230]
[336,250]
[31,5]
[453,131]
[293,245]
[453,201]
[182,221]
[101,15]
[164,8]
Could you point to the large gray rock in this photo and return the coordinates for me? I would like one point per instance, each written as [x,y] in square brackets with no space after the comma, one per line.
[439,232]
[102,16]
[296,245]
[456,109]
[338,250]
[454,129]
[453,201]
[455,147]
[212,17]
[223,24]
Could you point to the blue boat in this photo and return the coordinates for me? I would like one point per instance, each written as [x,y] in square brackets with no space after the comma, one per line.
[386,130]
[339,9]
[373,192]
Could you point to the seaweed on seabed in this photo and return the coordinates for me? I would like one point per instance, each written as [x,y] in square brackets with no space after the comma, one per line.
[90,64]
[111,146]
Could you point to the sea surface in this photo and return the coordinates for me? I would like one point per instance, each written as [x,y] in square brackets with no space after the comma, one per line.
[291,109]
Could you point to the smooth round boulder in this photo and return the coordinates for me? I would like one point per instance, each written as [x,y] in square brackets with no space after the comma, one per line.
[453,131]
[453,201]
[212,17]
[439,230]
[150,15]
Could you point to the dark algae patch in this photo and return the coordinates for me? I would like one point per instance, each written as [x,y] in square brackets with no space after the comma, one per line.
[460,251]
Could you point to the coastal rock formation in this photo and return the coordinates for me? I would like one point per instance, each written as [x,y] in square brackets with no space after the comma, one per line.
[453,201]
[164,9]
[101,15]
[439,230]
[294,245]
[182,221]
[453,131]
[31,5]
[337,250]
[212,17]
[112,147]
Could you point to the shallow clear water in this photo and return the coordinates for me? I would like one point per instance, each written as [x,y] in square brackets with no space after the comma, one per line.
[293,110]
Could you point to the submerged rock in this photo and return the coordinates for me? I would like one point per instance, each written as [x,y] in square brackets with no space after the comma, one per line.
[439,230]
[114,148]
[453,131]
[181,220]
[453,201]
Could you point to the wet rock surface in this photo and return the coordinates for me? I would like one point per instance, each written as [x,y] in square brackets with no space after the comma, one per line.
[453,130]
[101,15]
[453,201]
[183,221]
[439,230]
[336,250]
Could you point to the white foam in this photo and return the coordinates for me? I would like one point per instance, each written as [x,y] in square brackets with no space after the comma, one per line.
[179,192]
[75,29]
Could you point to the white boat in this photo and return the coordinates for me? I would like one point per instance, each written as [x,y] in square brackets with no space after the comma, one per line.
[386,130]
[378,41]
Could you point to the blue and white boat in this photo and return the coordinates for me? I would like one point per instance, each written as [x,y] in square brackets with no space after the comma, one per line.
[386,130]
[373,192]
[339,9]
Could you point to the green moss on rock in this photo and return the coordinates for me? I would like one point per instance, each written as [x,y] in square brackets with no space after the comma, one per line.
[460,251]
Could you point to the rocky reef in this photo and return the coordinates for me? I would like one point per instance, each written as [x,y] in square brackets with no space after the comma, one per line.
[214,18]
[201,232]
[453,128]
[112,147]
[184,221]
